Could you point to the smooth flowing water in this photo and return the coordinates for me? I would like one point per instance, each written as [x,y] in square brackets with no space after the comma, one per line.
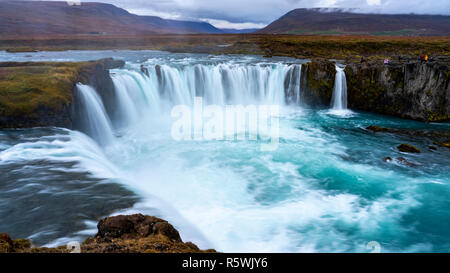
[339,98]
[325,189]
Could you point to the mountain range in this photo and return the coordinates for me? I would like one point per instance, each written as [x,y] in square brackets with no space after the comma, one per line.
[50,17]
[22,18]
[337,21]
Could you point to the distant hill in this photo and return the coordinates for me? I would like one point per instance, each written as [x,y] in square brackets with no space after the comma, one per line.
[335,21]
[48,17]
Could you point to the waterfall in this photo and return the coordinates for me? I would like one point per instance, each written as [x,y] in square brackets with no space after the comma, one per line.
[292,84]
[95,119]
[140,96]
[339,99]
[225,83]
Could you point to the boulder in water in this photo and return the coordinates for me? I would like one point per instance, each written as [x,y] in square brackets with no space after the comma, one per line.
[405,162]
[387,159]
[377,129]
[406,148]
[442,144]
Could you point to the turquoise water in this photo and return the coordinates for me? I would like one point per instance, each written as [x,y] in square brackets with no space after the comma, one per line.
[325,189]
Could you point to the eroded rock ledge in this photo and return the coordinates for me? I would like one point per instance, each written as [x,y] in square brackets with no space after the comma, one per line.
[119,234]
[418,91]
[40,94]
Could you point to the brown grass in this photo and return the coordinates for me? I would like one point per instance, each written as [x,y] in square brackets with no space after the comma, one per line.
[283,45]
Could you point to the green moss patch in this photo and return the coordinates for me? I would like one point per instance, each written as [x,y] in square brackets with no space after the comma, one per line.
[26,88]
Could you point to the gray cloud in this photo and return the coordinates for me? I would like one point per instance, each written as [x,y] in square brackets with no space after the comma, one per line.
[266,11]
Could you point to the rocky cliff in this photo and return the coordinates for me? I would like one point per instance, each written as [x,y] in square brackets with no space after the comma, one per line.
[43,94]
[418,91]
[317,82]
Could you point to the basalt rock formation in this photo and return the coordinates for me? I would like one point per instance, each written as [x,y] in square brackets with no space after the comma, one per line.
[418,91]
[317,82]
[119,234]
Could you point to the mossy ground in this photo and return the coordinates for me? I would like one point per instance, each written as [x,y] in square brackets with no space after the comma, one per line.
[26,88]
[34,93]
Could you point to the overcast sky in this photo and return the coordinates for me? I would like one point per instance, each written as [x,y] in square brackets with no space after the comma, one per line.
[258,13]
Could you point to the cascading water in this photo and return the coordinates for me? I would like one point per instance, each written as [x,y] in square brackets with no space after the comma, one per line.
[339,99]
[95,119]
[140,96]
[293,87]
[324,189]
[226,83]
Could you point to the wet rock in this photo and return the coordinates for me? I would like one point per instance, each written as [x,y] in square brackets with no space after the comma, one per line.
[405,162]
[432,148]
[442,144]
[406,148]
[145,70]
[317,82]
[387,159]
[376,129]
[441,136]
[132,226]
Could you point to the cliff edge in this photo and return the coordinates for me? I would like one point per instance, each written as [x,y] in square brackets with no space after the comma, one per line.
[39,94]
[119,234]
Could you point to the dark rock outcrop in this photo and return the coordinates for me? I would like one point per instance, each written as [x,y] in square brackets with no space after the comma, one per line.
[443,144]
[418,91]
[134,226]
[438,138]
[377,129]
[406,162]
[317,82]
[119,234]
[387,159]
[406,148]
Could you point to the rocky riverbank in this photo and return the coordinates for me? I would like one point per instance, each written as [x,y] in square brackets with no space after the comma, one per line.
[119,234]
[39,94]
[418,91]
